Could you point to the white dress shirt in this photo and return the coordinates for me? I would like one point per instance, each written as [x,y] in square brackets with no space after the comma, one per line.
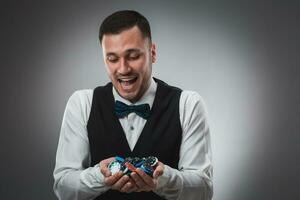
[74,179]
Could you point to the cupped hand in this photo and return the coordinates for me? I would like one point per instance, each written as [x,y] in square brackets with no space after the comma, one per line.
[117,181]
[145,182]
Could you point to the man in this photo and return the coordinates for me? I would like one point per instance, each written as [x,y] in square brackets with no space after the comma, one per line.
[169,124]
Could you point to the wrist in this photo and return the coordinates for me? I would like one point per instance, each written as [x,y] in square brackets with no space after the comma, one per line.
[164,178]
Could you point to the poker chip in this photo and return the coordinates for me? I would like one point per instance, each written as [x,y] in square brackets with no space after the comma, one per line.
[114,167]
[151,160]
[130,164]
[147,169]
[140,163]
[119,159]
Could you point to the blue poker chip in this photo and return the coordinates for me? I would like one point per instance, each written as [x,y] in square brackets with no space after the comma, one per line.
[119,159]
[147,169]
[140,163]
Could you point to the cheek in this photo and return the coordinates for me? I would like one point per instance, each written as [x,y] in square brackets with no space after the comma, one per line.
[111,69]
[140,66]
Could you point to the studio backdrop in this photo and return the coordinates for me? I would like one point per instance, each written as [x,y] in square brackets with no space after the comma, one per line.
[242,58]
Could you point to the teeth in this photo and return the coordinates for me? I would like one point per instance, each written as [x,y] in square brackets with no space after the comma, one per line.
[126,79]
[127,82]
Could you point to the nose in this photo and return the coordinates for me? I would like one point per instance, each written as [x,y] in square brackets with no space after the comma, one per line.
[124,67]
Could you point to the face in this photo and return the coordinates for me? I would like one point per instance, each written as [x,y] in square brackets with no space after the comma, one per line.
[128,58]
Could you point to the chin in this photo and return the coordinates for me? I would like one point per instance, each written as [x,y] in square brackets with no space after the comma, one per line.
[126,95]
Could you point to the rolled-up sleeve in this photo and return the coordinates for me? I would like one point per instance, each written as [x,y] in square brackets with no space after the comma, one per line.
[193,178]
[73,176]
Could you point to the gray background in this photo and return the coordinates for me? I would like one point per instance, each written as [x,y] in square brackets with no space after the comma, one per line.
[241,57]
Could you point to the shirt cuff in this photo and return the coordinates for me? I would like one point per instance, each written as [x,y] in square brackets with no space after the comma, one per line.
[93,178]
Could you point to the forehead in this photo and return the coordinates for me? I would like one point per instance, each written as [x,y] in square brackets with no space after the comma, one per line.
[128,39]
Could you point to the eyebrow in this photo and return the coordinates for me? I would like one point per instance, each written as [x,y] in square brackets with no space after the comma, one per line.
[133,50]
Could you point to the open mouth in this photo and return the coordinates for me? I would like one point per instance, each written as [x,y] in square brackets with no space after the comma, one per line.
[127,81]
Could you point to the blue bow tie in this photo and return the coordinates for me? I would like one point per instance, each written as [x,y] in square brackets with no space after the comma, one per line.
[123,109]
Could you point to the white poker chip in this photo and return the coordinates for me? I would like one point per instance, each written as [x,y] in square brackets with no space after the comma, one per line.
[114,167]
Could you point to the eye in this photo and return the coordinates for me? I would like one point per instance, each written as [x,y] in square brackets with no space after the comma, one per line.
[134,56]
[112,58]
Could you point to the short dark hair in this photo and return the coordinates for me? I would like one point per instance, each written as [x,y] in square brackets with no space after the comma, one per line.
[123,20]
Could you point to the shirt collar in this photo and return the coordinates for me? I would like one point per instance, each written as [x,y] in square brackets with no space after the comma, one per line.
[148,96]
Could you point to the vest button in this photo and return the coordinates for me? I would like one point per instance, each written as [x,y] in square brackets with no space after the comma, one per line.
[131,128]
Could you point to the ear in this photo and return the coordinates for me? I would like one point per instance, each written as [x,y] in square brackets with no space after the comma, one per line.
[153,53]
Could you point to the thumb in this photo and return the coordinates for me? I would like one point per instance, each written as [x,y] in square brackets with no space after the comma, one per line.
[159,170]
[104,167]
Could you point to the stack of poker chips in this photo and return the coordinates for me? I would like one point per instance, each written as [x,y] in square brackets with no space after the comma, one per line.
[128,165]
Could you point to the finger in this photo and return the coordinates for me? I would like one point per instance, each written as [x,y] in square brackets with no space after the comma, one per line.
[138,180]
[105,171]
[132,182]
[146,188]
[103,166]
[158,171]
[106,161]
[134,189]
[128,187]
[147,179]
[120,183]
[111,180]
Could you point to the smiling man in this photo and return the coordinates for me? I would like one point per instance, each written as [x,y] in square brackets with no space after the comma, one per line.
[129,57]
[135,115]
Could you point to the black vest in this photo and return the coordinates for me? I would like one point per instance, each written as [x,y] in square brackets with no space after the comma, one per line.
[161,135]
